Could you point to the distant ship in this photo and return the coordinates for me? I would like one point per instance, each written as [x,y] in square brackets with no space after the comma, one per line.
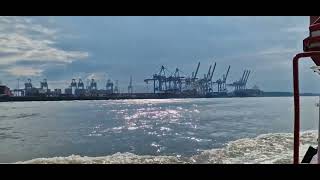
[4,91]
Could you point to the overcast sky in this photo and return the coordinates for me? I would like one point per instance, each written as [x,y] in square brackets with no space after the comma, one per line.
[62,48]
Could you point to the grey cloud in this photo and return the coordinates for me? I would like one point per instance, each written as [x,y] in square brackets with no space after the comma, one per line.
[23,42]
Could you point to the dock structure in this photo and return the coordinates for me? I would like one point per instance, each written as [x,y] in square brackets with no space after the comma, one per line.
[166,83]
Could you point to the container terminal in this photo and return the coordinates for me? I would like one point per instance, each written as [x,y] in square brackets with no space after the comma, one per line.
[165,84]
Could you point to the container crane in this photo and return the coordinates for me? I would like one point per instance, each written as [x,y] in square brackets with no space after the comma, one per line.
[28,85]
[130,88]
[196,73]
[159,81]
[222,83]
[80,84]
[73,84]
[44,84]
[116,88]
[241,84]
[109,87]
[176,81]
[210,78]
[93,85]
[224,87]
[190,81]
[246,80]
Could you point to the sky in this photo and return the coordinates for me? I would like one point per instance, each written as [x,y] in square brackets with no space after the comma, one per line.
[65,47]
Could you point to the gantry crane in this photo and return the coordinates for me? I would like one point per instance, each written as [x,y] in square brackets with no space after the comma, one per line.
[130,88]
[221,83]
[159,81]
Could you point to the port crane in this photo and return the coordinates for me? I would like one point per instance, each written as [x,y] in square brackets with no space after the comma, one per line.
[194,77]
[190,81]
[116,88]
[109,87]
[159,80]
[221,83]
[93,84]
[73,84]
[224,87]
[44,84]
[242,82]
[130,88]
[80,84]
[204,85]
[175,82]
[28,85]
[210,83]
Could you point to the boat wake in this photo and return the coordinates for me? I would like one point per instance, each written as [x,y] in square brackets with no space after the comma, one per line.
[275,148]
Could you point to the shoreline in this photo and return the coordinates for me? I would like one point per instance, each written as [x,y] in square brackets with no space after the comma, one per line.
[120,97]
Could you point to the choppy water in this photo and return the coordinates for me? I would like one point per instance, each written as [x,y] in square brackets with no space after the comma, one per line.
[237,130]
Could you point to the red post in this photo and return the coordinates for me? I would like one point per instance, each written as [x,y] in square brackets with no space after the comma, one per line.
[296,98]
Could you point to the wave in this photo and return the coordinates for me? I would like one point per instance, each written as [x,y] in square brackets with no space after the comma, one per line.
[23,115]
[118,158]
[274,148]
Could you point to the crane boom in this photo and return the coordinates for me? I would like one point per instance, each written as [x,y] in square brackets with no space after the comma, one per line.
[225,78]
[208,75]
[214,67]
[195,75]
[242,78]
[247,78]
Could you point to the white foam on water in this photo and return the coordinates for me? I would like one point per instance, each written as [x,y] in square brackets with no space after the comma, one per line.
[132,128]
[94,134]
[154,144]
[165,129]
[198,139]
[196,111]
[118,128]
[118,158]
[152,133]
[275,148]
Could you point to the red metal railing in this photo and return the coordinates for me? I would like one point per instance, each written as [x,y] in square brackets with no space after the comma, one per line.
[311,46]
[297,101]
